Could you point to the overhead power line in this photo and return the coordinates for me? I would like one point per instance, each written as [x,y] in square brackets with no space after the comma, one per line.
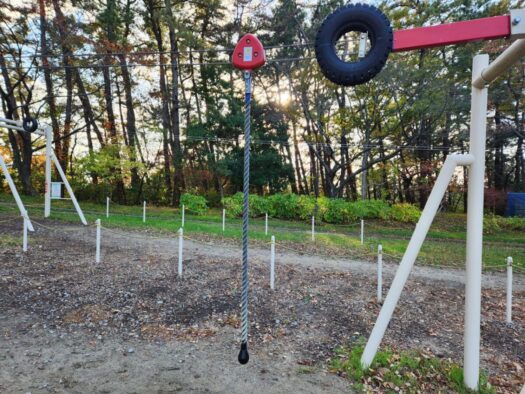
[153,53]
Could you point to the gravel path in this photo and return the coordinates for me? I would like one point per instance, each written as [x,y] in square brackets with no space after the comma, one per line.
[131,325]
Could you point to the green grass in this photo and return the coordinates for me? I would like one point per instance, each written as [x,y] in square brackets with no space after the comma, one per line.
[408,372]
[445,244]
[10,241]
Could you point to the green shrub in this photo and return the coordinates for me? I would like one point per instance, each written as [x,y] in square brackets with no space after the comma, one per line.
[404,212]
[371,209]
[493,224]
[284,206]
[306,207]
[259,205]
[194,204]
[233,205]
[339,211]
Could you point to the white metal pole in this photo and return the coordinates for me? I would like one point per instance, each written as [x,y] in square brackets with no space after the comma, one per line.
[223,219]
[272,263]
[266,224]
[476,185]
[418,236]
[503,62]
[16,196]
[362,232]
[97,242]
[181,240]
[144,212]
[107,207]
[509,290]
[313,228]
[24,241]
[379,273]
[183,214]
[49,158]
[69,189]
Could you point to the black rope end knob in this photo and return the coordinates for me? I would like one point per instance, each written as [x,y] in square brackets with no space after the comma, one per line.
[243,354]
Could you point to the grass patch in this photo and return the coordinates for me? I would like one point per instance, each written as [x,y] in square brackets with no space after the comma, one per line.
[408,372]
[445,244]
[10,241]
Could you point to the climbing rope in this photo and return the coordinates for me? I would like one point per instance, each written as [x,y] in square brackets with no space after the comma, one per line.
[243,354]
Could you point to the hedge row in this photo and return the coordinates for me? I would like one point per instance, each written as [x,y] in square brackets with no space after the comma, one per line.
[330,210]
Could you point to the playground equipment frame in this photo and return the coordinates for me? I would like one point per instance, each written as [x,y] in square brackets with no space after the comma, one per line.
[483,74]
[50,158]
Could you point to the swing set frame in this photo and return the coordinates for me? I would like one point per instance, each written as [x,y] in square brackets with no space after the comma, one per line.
[46,132]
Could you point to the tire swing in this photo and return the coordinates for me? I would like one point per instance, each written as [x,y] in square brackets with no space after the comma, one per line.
[357,18]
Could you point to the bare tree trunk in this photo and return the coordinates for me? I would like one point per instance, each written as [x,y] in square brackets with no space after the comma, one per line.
[178,176]
[21,142]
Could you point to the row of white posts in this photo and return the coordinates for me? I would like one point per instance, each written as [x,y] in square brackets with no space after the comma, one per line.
[108,200]
[180,233]
[508,314]
[183,210]
[508,311]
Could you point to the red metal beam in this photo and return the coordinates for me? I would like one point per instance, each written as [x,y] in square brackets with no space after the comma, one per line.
[452,33]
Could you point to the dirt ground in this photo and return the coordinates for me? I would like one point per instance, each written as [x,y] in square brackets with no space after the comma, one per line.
[129,324]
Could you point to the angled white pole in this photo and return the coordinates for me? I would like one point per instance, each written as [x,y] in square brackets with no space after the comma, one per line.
[12,187]
[24,241]
[183,214]
[69,190]
[379,273]
[362,232]
[107,207]
[49,158]
[181,240]
[223,219]
[97,242]
[476,186]
[266,224]
[144,212]
[508,314]
[272,263]
[419,235]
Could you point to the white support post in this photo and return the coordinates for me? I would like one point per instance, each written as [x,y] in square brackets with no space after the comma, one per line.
[419,235]
[12,187]
[362,232]
[223,219]
[476,186]
[69,189]
[266,224]
[97,242]
[183,214]
[509,291]
[144,212]
[107,207]
[181,240]
[313,228]
[379,273]
[49,159]
[24,241]
[272,264]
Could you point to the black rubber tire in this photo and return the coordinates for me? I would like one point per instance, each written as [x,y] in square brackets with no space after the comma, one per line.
[354,17]
[30,124]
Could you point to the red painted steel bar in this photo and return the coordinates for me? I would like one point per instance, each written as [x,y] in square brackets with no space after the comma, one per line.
[452,33]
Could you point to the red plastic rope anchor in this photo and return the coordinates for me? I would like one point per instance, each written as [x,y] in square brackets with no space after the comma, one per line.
[249,53]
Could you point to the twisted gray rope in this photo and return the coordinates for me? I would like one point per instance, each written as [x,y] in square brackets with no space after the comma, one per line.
[245,217]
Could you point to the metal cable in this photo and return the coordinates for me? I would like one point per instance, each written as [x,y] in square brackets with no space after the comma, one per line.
[245,217]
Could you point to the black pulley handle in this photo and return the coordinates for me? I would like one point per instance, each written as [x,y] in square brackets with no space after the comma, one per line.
[358,18]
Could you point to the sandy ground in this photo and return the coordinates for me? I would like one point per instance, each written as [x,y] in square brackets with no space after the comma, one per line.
[131,325]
